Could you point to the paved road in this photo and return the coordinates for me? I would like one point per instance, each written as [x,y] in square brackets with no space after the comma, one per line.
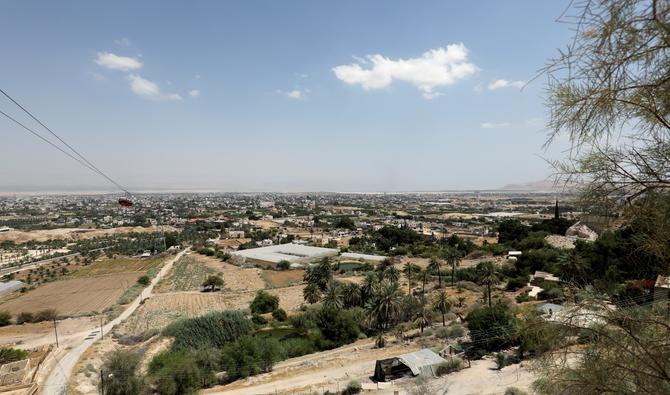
[56,382]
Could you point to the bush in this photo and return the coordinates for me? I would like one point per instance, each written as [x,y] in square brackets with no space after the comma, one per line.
[297,346]
[280,315]
[211,330]
[450,332]
[182,372]
[24,317]
[144,280]
[284,265]
[490,327]
[120,371]
[8,355]
[5,318]
[514,391]
[264,303]
[516,283]
[249,356]
[452,365]
[354,387]
[45,315]
[258,319]
[503,360]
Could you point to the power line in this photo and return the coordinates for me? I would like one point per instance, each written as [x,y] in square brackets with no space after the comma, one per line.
[46,140]
[90,165]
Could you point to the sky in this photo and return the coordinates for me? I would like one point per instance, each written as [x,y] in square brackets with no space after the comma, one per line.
[279,96]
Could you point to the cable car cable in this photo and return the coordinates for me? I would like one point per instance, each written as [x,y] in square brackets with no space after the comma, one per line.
[65,143]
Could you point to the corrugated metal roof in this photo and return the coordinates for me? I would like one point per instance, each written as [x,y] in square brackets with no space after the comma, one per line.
[10,286]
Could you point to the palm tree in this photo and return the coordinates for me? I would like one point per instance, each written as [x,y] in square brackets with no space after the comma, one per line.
[424,273]
[435,265]
[454,259]
[311,293]
[407,270]
[423,318]
[487,276]
[368,287]
[572,267]
[333,295]
[442,304]
[392,274]
[385,306]
[351,295]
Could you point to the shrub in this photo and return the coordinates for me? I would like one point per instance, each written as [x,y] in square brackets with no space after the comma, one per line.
[516,283]
[249,356]
[181,372]
[284,265]
[264,303]
[490,327]
[120,371]
[452,365]
[450,332]
[45,315]
[211,330]
[280,315]
[297,346]
[514,391]
[8,355]
[144,280]
[258,319]
[354,387]
[24,317]
[5,318]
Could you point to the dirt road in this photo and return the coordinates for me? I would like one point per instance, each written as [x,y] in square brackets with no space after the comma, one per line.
[61,369]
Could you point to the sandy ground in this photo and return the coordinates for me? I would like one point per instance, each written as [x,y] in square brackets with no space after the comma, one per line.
[18,236]
[28,336]
[318,371]
[332,370]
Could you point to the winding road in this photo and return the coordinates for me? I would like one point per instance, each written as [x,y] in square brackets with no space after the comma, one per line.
[61,370]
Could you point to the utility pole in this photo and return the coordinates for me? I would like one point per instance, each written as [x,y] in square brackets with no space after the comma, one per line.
[102,335]
[102,382]
[56,332]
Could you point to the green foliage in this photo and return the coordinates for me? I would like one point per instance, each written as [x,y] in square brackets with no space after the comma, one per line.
[511,231]
[120,374]
[280,315]
[319,275]
[284,265]
[352,388]
[5,318]
[516,283]
[183,372]
[249,356]
[264,302]
[337,326]
[8,355]
[24,317]
[491,328]
[258,319]
[213,281]
[211,330]
[144,280]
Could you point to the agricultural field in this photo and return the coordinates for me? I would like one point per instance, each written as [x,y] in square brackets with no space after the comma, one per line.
[161,309]
[275,279]
[187,274]
[89,289]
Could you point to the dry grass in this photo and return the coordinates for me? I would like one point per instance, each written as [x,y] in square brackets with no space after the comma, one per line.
[117,265]
[275,279]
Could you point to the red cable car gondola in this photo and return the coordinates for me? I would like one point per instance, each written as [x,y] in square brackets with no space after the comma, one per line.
[124,202]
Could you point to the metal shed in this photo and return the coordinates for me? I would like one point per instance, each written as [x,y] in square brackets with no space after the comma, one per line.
[423,362]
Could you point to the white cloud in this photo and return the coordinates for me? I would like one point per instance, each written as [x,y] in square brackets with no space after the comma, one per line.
[194,93]
[435,68]
[197,76]
[494,125]
[295,94]
[148,89]
[116,62]
[498,84]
